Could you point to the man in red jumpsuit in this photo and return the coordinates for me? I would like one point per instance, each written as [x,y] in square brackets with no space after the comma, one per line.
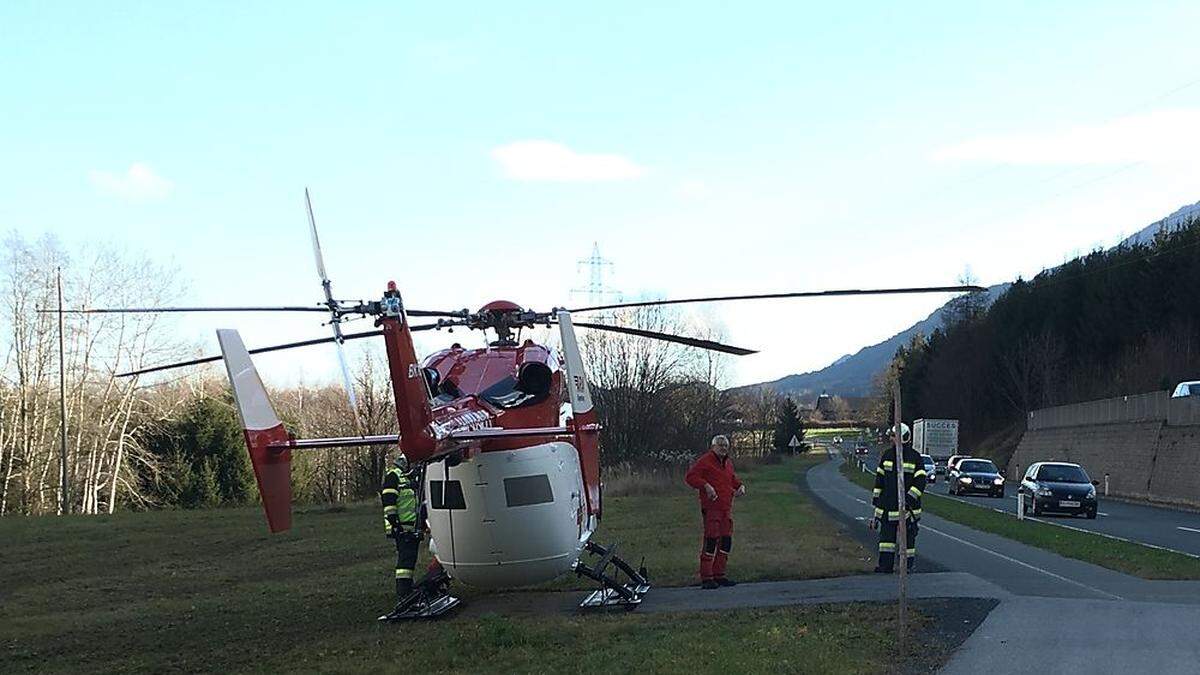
[713,477]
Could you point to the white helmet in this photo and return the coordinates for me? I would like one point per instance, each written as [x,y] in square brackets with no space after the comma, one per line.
[905,432]
[401,462]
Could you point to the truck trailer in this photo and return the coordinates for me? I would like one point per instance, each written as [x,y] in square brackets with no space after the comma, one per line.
[936,438]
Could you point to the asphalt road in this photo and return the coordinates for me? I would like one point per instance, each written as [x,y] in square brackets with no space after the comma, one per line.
[1157,526]
[1152,525]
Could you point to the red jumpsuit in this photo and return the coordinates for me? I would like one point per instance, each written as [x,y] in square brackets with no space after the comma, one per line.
[717,513]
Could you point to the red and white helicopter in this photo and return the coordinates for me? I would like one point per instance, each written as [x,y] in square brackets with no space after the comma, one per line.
[511,480]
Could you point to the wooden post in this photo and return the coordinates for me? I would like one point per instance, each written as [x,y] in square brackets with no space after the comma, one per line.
[64,504]
[901,531]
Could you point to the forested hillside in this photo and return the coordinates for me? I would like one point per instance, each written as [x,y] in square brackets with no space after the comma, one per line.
[1115,322]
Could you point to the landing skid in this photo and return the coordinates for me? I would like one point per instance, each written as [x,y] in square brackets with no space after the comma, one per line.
[613,591]
[409,611]
[430,599]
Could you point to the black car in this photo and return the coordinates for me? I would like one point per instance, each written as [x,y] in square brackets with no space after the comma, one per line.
[1059,487]
[975,475]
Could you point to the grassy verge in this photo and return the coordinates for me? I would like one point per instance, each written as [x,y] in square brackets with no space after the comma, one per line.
[210,590]
[1122,556]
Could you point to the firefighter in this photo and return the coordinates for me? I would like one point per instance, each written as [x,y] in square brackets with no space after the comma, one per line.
[713,478]
[400,509]
[887,507]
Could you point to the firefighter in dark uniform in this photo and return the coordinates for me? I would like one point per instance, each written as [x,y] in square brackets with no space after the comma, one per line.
[887,505]
[400,510]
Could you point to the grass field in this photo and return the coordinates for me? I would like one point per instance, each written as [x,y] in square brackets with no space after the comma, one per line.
[1128,557]
[211,591]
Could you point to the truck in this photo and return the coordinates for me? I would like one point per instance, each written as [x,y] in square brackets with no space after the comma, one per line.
[936,438]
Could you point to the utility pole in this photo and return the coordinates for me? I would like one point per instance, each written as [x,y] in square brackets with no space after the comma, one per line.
[901,527]
[64,499]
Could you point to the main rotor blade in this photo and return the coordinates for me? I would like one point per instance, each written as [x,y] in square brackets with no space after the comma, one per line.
[151,310]
[801,294]
[681,339]
[273,348]
[348,383]
[282,308]
[316,243]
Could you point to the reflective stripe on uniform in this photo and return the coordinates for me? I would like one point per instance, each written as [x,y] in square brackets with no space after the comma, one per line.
[914,492]
[879,471]
[886,546]
[391,491]
[878,512]
[920,472]
[877,491]
[402,573]
[390,509]
[916,513]
[887,464]
[911,551]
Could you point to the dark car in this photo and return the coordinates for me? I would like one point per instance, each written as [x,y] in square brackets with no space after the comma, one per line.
[975,475]
[861,449]
[1059,487]
[930,469]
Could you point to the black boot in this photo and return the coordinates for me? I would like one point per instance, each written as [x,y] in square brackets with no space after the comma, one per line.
[725,581]
[403,589]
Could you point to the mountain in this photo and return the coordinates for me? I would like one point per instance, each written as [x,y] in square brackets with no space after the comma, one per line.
[852,374]
[1174,221]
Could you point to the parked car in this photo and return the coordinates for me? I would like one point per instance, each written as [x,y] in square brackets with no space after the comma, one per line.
[861,449]
[930,469]
[1186,389]
[975,475]
[1059,487]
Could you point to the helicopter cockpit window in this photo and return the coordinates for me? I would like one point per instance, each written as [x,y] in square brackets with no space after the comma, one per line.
[446,495]
[531,385]
[528,490]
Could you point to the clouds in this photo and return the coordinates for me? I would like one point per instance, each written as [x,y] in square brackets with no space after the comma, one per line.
[537,160]
[1161,137]
[137,184]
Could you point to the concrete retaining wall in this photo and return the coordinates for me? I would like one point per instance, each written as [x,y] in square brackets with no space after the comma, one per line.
[1176,474]
[1144,460]
[1156,405]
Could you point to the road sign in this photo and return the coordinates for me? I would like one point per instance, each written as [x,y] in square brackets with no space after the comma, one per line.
[794,444]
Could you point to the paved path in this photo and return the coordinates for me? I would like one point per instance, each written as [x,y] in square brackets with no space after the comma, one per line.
[1047,635]
[860,588]
[1062,615]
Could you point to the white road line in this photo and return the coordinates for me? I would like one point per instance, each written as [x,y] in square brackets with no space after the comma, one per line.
[1021,563]
[1188,529]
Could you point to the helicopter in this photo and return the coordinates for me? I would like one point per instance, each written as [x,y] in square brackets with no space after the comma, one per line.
[505,437]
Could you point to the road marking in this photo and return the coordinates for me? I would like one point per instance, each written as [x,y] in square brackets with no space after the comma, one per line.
[1189,529]
[1021,563]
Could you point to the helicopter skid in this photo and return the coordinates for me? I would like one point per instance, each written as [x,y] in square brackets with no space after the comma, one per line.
[423,610]
[613,592]
[608,597]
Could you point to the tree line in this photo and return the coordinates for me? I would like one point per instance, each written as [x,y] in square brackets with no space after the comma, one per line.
[1110,323]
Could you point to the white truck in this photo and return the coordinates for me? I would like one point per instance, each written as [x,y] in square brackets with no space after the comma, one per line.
[936,438]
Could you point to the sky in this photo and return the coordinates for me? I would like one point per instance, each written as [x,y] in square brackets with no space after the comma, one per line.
[479,152]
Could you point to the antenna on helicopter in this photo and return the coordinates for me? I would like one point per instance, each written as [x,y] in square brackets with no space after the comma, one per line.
[335,315]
